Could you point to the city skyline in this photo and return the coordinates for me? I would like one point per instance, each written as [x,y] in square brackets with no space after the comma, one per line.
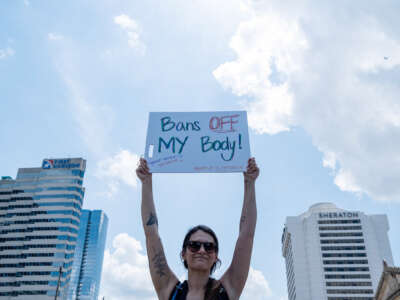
[319,82]
[74,266]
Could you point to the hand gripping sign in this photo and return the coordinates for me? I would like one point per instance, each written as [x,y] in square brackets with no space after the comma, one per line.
[197,142]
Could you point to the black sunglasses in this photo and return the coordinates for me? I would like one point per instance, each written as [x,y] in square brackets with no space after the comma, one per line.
[195,246]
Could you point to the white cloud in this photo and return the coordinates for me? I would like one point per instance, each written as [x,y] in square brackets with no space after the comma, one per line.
[132,31]
[7,52]
[117,169]
[94,120]
[27,3]
[126,275]
[257,287]
[267,46]
[54,36]
[329,160]
[346,182]
[126,22]
[333,70]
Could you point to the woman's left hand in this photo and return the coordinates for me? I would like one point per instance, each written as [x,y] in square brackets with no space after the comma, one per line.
[252,171]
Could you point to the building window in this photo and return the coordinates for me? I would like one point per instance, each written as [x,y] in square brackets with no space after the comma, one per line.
[347,276]
[346,262]
[321,228]
[356,221]
[350,291]
[347,269]
[350,241]
[346,283]
[340,234]
[338,248]
[344,254]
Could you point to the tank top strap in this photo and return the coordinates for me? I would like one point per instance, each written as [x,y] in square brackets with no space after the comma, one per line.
[180,291]
[222,294]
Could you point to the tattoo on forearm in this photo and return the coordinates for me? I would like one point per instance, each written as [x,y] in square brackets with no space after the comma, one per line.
[160,264]
[152,220]
[242,220]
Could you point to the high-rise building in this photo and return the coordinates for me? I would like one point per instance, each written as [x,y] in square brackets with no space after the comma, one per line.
[89,253]
[39,222]
[334,254]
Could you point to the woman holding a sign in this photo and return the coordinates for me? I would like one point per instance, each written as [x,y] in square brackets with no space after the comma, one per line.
[200,249]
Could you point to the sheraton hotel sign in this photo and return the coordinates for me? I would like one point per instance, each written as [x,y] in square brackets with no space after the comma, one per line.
[342,214]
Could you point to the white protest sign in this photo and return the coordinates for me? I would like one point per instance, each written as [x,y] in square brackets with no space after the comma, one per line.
[197,142]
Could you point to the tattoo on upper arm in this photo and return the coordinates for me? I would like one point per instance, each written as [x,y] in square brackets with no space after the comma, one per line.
[152,220]
[160,264]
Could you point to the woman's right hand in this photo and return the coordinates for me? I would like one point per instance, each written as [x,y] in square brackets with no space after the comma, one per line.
[143,171]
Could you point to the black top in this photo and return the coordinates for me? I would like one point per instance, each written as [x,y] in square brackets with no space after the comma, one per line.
[181,289]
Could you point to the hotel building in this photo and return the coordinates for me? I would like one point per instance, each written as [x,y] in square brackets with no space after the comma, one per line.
[39,221]
[334,254]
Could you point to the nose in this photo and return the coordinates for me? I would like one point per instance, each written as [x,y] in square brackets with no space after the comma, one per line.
[202,249]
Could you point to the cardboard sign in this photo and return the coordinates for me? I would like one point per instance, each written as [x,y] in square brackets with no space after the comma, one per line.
[197,142]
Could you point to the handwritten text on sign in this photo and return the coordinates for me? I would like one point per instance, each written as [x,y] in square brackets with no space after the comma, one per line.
[197,142]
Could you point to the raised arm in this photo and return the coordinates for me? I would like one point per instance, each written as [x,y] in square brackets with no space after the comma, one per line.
[235,277]
[162,276]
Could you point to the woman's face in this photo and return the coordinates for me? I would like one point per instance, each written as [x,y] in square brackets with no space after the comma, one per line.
[200,260]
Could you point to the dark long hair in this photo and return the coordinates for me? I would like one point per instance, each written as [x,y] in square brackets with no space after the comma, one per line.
[208,230]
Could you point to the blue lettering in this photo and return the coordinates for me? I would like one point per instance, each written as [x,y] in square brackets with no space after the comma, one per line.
[166,145]
[182,143]
[167,124]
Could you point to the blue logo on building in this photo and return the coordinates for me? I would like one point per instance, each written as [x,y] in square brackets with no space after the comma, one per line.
[59,164]
[48,164]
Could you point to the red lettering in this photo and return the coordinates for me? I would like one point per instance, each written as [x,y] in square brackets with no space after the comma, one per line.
[212,123]
[223,124]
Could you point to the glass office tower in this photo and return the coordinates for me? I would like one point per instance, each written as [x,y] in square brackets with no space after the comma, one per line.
[39,222]
[89,253]
[334,254]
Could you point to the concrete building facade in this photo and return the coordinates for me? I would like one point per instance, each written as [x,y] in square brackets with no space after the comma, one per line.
[389,284]
[334,254]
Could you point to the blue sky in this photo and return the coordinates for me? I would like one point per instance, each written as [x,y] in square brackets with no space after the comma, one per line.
[319,81]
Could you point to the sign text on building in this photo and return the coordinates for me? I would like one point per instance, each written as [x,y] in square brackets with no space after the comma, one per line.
[343,214]
[60,164]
